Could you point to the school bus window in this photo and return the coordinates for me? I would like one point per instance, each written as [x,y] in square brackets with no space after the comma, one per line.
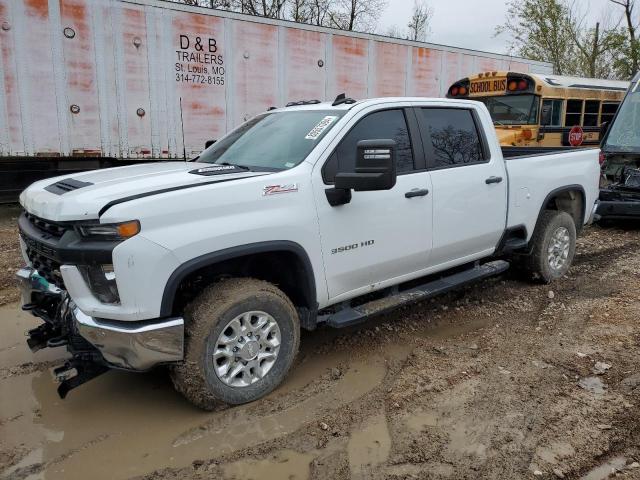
[608,111]
[551,113]
[591,113]
[574,113]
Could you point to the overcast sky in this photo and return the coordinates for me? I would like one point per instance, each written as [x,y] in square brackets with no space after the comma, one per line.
[471,24]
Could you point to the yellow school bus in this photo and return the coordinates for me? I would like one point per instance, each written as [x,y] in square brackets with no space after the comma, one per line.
[540,112]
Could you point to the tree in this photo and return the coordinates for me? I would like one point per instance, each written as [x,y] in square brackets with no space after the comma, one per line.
[320,10]
[420,19]
[595,46]
[261,8]
[628,63]
[542,30]
[360,15]
[396,32]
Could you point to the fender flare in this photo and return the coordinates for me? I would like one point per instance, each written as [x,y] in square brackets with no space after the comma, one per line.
[554,193]
[208,259]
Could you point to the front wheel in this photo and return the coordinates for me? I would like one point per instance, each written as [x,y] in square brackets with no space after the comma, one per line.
[553,247]
[241,338]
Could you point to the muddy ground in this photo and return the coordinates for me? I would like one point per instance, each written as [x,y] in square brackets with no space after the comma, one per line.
[504,380]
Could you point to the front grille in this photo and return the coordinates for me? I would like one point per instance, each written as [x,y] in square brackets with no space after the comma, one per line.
[46,267]
[47,226]
[40,250]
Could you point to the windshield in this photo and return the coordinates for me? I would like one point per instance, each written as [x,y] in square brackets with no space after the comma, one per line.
[624,133]
[273,141]
[513,109]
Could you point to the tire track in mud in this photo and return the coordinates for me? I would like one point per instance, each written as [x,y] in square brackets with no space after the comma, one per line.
[27,368]
[29,465]
[358,380]
[610,253]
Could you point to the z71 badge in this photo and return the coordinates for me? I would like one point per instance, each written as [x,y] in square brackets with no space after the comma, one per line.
[278,189]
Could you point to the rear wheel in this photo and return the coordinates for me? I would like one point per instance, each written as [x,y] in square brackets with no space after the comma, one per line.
[553,247]
[241,338]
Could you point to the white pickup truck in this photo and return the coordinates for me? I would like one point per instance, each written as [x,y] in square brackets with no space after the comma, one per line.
[318,213]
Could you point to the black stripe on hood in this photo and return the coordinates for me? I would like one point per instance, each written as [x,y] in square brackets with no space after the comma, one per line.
[166,190]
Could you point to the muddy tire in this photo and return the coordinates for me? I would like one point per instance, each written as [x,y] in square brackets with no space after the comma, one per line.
[241,338]
[553,247]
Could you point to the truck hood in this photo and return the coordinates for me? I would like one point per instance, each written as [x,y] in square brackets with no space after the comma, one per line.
[82,196]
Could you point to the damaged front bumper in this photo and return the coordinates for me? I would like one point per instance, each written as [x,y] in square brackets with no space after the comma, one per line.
[95,344]
[618,210]
[621,200]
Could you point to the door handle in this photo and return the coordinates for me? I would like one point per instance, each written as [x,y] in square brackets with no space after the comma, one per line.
[491,180]
[417,193]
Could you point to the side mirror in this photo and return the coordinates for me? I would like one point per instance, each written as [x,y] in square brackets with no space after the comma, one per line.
[604,128]
[208,143]
[375,167]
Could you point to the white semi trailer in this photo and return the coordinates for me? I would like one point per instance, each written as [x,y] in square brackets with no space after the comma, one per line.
[91,83]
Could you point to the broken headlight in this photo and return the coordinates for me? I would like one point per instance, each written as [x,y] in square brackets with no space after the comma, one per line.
[101,280]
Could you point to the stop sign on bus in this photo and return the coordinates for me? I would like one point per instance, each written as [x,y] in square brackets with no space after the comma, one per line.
[576,136]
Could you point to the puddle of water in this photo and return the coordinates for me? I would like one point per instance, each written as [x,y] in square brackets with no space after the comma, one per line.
[606,470]
[369,447]
[593,385]
[13,350]
[421,420]
[122,425]
[555,452]
[285,464]
[464,438]
[32,458]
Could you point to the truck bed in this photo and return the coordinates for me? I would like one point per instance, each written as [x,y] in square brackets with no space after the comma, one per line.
[534,178]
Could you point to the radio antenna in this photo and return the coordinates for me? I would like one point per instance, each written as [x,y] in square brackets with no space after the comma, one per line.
[184,147]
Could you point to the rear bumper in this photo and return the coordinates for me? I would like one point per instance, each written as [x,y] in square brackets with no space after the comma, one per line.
[618,210]
[131,345]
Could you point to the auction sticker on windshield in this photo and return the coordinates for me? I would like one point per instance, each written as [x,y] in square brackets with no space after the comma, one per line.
[316,131]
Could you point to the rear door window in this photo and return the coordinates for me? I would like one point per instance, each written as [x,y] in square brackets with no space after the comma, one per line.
[453,136]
